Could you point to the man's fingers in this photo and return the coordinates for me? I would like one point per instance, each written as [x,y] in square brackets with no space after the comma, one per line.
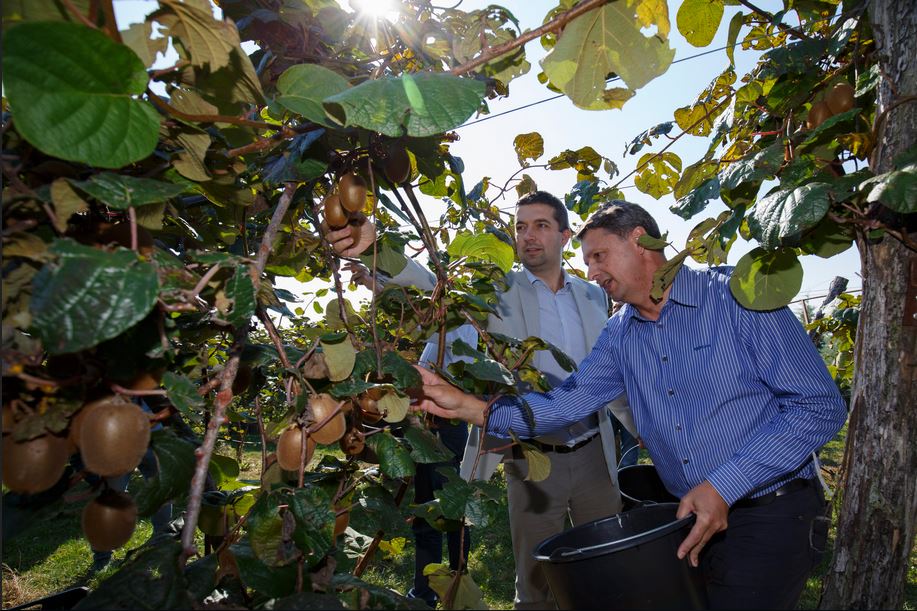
[694,537]
[428,377]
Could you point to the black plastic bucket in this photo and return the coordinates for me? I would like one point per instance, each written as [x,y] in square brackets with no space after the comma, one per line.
[641,485]
[626,561]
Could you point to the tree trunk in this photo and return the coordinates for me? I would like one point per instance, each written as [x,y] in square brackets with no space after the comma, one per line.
[875,531]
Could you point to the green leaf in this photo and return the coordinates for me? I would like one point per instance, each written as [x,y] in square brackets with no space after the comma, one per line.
[766,280]
[71,90]
[426,447]
[120,192]
[454,495]
[403,374]
[760,166]
[382,105]
[784,215]
[539,465]
[18,11]
[265,531]
[223,469]
[603,41]
[90,295]
[176,466]
[693,176]
[340,357]
[394,459]
[658,173]
[651,243]
[489,371]
[311,507]
[241,292]
[151,578]
[735,25]
[482,247]
[827,239]
[270,581]
[183,395]
[303,87]
[698,20]
[528,146]
[896,190]
[697,200]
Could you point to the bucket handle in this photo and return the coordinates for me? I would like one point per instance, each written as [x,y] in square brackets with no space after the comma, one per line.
[563,553]
[628,451]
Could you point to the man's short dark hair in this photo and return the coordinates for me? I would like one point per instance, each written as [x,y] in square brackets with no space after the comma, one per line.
[543,197]
[620,218]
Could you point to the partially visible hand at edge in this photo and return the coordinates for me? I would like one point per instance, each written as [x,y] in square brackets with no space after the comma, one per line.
[712,515]
[442,399]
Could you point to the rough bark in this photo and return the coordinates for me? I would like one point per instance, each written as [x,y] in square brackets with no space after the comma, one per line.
[875,532]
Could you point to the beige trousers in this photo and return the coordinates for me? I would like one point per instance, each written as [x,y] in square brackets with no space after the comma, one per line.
[579,486]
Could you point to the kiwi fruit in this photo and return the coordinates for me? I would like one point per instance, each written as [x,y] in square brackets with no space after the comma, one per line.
[817,115]
[322,405]
[840,98]
[34,465]
[109,520]
[341,522]
[76,422]
[352,191]
[146,380]
[335,215]
[369,407]
[113,437]
[289,447]
[397,166]
[353,442]
[8,418]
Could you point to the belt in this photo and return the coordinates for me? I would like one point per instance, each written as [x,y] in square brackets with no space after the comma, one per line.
[547,447]
[794,485]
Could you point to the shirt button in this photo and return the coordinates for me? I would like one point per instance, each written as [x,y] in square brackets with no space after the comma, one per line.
[665,359]
[677,427]
[684,460]
[671,392]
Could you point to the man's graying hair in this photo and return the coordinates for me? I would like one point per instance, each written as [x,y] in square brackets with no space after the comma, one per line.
[543,197]
[620,218]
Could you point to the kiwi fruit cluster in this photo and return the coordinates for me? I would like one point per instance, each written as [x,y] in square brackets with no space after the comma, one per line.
[838,99]
[346,201]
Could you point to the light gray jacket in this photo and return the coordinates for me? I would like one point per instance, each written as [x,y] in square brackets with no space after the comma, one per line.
[517,316]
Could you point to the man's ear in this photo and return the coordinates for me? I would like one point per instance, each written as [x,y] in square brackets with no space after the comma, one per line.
[567,233]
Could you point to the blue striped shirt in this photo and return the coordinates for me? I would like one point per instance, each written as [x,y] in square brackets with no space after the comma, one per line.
[720,393]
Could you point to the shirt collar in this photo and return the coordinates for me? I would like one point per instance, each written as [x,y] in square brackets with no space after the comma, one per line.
[533,278]
[686,290]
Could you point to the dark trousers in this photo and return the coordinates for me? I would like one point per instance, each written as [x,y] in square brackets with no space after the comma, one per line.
[763,558]
[428,541]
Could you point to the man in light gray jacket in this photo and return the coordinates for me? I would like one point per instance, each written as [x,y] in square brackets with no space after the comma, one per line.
[544,301]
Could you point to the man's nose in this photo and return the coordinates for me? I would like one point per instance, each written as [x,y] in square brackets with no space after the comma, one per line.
[591,272]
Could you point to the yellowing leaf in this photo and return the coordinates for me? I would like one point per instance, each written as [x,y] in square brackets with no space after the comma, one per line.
[393,406]
[528,146]
[658,173]
[698,20]
[340,358]
[604,41]
[467,595]
[539,464]
[67,202]
[651,12]
[209,42]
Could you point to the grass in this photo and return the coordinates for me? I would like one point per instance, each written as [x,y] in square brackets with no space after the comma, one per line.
[53,556]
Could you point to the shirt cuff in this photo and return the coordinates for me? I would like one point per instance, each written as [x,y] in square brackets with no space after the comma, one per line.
[730,482]
[501,417]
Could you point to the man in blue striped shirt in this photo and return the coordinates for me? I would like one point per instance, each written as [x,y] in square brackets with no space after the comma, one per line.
[730,403]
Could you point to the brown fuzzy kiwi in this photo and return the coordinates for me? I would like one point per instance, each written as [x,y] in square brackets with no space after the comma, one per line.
[109,520]
[289,448]
[34,465]
[322,405]
[369,407]
[341,522]
[353,442]
[352,191]
[335,215]
[840,98]
[817,115]
[397,166]
[113,437]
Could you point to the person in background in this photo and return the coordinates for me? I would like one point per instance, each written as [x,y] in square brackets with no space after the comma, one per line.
[730,403]
[542,300]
